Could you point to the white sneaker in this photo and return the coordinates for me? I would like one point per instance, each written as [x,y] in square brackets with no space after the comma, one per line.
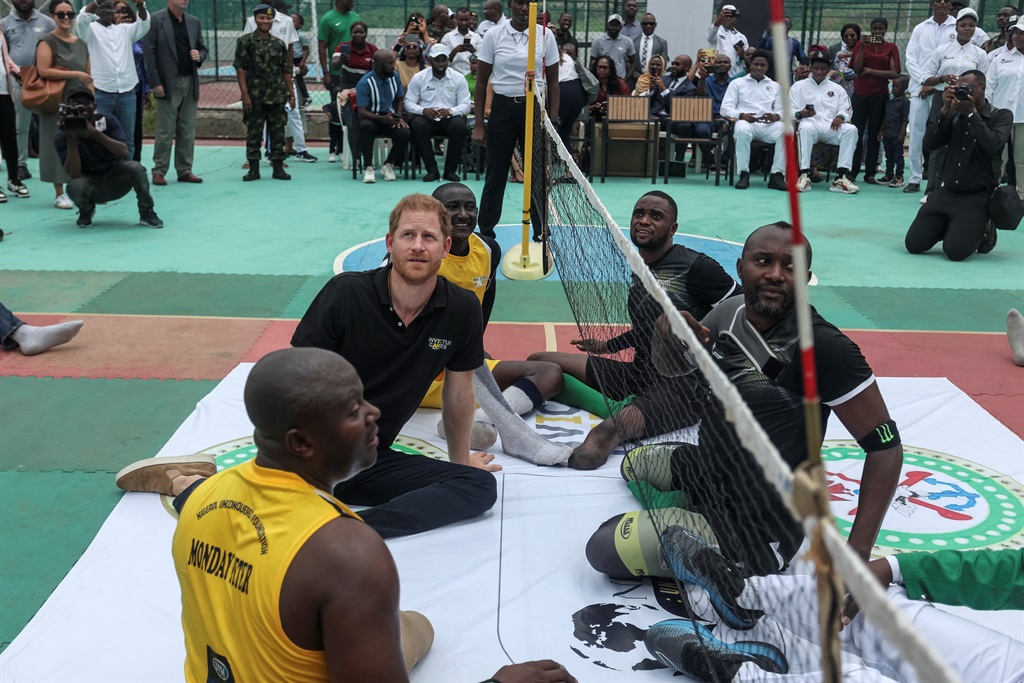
[803,183]
[389,172]
[63,202]
[18,188]
[332,158]
[369,176]
[844,185]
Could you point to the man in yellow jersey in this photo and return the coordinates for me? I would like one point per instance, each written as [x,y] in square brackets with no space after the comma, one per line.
[279,579]
[510,388]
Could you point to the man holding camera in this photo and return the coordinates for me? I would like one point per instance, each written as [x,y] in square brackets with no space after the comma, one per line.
[94,151]
[973,133]
[462,42]
[726,40]
[438,100]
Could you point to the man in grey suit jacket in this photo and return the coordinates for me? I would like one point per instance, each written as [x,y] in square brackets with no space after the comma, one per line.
[173,52]
[654,45]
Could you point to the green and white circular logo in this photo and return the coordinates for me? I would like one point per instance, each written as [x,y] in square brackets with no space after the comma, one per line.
[942,502]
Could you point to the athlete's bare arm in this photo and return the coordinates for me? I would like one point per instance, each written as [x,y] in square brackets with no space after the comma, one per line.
[860,415]
[340,595]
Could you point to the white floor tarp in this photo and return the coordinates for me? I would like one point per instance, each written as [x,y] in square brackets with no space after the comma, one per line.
[504,587]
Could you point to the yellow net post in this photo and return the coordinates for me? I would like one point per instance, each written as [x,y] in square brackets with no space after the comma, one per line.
[526,262]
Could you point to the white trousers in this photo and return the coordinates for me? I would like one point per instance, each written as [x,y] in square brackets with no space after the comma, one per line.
[769,133]
[296,124]
[916,126]
[813,131]
[973,651]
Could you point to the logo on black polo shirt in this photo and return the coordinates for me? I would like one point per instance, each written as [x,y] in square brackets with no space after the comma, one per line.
[438,344]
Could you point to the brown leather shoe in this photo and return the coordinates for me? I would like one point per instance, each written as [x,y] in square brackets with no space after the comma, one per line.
[158,179]
[189,177]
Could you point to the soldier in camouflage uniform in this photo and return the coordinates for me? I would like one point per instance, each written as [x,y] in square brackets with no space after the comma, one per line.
[264,68]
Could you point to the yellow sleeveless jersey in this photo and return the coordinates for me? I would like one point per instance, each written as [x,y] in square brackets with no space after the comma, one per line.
[472,271]
[236,537]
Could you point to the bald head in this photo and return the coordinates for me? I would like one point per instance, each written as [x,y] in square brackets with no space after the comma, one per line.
[449,190]
[296,387]
[772,232]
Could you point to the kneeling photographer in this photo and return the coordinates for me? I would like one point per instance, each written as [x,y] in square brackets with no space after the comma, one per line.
[973,133]
[94,152]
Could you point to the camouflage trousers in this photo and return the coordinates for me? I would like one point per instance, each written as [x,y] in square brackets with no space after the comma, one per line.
[275,118]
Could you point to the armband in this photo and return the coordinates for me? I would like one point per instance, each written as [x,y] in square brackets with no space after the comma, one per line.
[881,437]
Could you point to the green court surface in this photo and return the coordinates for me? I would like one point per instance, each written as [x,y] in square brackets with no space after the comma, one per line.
[69,419]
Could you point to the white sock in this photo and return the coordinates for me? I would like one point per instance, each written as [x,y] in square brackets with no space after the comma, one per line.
[517,399]
[517,439]
[1015,333]
[481,436]
[32,340]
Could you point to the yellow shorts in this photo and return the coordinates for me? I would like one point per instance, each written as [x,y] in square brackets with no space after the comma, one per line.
[433,397]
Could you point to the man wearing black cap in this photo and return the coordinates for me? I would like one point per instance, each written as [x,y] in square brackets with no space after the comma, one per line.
[264,69]
[823,108]
[94,151]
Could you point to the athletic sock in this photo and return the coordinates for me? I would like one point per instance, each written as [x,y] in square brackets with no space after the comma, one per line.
[523,396]
[481,435]
[578,395]
[1015,333]
[653,499]
[517,439]
[33,340]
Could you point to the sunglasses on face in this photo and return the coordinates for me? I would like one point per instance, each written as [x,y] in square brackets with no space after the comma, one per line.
[648,23]
[64,15]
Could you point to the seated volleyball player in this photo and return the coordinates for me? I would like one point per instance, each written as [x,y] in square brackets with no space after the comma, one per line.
[472,263]
[309,593]
[735,524]
[694,282]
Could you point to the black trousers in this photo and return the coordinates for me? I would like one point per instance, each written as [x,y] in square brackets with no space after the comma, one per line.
[369,130]
[868,115]
[414,493]
[453,128]
[572,99]
[506,127]
[89,190]
[957,220]
[8,137]
[140,106]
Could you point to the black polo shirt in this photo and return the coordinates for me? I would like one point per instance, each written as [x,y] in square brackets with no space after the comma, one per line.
[352,316]
[182,45]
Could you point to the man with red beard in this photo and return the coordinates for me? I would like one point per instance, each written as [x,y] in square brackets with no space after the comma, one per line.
[400,326]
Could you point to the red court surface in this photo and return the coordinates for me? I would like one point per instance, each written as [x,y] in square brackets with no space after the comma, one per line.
[978,363]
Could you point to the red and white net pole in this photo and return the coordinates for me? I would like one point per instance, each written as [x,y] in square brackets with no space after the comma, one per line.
[809,487]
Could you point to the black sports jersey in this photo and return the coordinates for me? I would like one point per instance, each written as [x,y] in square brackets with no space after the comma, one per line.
[352,316]
[778,404]
[693,281]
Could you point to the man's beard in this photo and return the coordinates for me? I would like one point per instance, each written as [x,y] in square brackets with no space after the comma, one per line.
[401,266]
[770,310]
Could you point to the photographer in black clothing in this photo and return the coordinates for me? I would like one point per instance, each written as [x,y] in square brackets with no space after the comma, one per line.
[94,152]
[974,134]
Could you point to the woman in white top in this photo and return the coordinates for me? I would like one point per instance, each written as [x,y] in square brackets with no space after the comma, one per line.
[1005,90]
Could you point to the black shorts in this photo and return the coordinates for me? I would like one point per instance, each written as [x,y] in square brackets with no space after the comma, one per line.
[667,403]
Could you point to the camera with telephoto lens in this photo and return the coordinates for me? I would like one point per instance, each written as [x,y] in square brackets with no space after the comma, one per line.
[73,117]
[962,92]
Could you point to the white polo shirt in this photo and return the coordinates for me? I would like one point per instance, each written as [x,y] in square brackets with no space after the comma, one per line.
[505,49]
[427,92]
[829,99]
[1005,83]
[486,25]
[927,37]
[747,96]
[453,39]
[954,59]
[111,60]
[282,28]
[724,41]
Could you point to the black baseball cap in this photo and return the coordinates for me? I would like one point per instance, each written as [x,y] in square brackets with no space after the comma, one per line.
[79,90]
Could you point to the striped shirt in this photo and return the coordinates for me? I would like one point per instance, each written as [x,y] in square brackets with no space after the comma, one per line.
[379,95]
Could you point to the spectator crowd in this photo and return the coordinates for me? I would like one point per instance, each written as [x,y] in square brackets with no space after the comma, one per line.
[864,98]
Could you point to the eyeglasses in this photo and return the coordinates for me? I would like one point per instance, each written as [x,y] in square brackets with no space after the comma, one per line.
[64,15]
[648,23]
